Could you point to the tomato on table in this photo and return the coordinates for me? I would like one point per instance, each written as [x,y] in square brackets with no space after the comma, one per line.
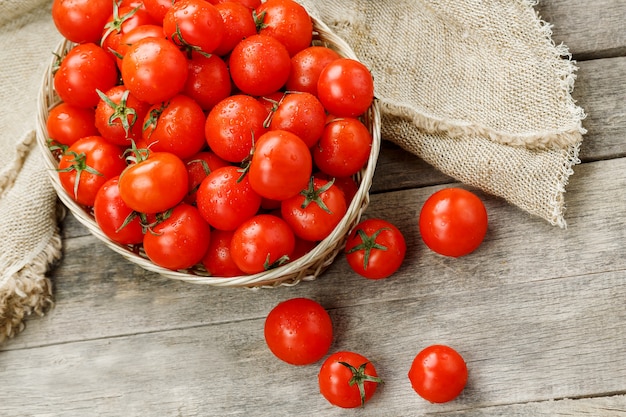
[453,222]
[348,379]
[117,221]
[438,373]
[375,249]
[298,331]
[346,88]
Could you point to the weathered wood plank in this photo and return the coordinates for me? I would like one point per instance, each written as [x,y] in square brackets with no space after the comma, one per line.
[590,29]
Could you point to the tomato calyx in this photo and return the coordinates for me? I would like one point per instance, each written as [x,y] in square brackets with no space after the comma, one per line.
[359,377]
[115,25]
[311,195]
[153,117]
[178,40]
[159,218]
[121,111]
[78,164]
[267,265]
[275,104]
[367,244]
[259,20]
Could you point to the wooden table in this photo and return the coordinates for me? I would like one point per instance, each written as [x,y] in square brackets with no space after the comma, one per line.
[538,312]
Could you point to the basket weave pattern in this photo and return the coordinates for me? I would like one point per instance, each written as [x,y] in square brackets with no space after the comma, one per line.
[306,268]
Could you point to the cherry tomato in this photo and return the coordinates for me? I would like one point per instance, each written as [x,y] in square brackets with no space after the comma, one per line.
[123,20]
[199,166]
[87,165]
[233,124]
[179,240]
[347,185]
[226,199]
[375,248]
[135,35]
[453,222]
[119,115]
[298,331]
[438,373]
[306,67]
[81,21]
[281,165]
[348,379]
[154,70]
[217,259]
[261,243]
[194,25]
[85,69]
[346,87]
[238,24]
[287,21]
[259,65]
[344,148]
[208,81]
[250,4]
[154,183]
[316,211]
[301,114]
[175,126]
[116,220]
[66,123]
[158,8]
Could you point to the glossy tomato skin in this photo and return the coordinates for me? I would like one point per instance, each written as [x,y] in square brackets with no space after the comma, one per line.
[346,88]
[199,166]
[81,21]
[116,220]
[344,147]
[301,114]
[208,81]
[176,126]
[154,70]
[298,331]
[115,108]
[218,260]
[66,123]
[194,25]
[334,379]
[262,242]
[288,22]
[453,222]
[155,184]
[375,249]
[180,241]
[226,200]
[135,35]
[259,65]
[85,69]
[306,67]
[438,374]
[238,24]
[281,165]
[87,165]
[316,211]
[123,20]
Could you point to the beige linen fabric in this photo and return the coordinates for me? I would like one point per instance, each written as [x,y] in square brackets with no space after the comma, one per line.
[475,88]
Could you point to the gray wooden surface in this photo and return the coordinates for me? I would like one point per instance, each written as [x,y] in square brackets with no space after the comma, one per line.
[538,312]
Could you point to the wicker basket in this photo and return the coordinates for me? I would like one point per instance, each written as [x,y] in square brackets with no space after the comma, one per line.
[306,268]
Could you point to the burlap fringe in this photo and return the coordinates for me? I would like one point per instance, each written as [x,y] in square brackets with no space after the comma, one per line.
[28,291]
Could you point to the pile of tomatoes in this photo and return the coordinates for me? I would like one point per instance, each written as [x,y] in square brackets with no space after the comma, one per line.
[213,133]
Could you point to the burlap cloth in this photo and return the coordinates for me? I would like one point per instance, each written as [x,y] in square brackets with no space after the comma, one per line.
[477,89]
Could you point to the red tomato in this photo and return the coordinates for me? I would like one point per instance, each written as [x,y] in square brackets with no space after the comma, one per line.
[116,220]
[119,115]
[154,184]
[306,67]
[281,165]
[298,331]
[175,126]
[208,81]
[238,24]
[438,374]
[66,123]
[261,243]
[301,114]
[199,166]
[81,21]
[347,185]
[453,222]
[348,379]
[316,211]
[154,70]
[344,148]
[232,125]
[346,88]
[194,25]
[85,69]
[287,21]
[179,240]
[87,165]
[217,259]
[250,4]
[259,65]
[135,35]
[226,200]
[123,20]
[375,249]
[158,8]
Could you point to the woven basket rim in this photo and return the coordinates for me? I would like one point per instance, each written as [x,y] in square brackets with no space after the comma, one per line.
[306,268]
